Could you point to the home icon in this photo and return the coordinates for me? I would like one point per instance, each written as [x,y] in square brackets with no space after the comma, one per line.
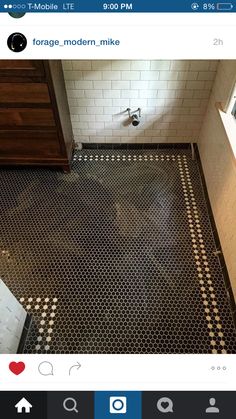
[23,406]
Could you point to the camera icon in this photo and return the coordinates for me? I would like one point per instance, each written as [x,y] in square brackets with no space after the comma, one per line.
[118,405]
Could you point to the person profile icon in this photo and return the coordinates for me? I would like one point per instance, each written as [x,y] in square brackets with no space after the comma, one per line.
[212,408]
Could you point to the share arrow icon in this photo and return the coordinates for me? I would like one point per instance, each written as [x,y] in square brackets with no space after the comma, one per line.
[75,367]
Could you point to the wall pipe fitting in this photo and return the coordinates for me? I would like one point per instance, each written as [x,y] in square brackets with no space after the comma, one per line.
[134,116]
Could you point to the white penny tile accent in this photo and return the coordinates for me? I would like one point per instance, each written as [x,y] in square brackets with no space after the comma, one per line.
[43,310]
[203,272]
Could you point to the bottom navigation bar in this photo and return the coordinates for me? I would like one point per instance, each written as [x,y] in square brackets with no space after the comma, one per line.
[105,405]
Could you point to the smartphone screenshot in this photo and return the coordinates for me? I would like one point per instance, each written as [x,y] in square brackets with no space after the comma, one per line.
[117,209]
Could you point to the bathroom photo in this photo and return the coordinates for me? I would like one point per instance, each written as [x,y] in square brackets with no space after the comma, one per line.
[118,206]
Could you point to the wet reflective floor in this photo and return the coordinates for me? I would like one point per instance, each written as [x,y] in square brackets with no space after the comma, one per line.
[115,257]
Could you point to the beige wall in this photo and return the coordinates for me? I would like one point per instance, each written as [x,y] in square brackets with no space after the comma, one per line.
[173,96]
[219,165]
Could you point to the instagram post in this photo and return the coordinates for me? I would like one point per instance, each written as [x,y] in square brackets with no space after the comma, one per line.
[117,210]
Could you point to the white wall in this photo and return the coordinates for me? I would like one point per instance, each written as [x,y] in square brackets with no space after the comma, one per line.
[12,319]
[219,166]
[173,96]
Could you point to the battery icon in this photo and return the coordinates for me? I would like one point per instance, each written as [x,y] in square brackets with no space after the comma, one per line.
[224,6]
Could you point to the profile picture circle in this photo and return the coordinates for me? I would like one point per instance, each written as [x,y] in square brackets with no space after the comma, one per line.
[17,42]
[118,405]
[16,15]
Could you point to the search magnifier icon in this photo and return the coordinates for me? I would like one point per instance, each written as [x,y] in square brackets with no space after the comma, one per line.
[70,405]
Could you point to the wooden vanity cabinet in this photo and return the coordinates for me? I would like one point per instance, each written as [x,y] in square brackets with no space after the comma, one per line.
[35,125]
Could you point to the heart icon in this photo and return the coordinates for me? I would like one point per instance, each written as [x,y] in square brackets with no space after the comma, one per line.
[16,367]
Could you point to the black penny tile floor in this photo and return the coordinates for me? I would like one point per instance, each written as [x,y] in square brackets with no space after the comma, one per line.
[116,257]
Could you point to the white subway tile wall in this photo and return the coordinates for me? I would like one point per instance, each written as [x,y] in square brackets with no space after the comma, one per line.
[173,96]
[219,166]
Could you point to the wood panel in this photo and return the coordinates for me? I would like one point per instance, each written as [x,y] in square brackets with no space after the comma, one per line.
[24,93]
[22,68]
[18,117]
[29,143]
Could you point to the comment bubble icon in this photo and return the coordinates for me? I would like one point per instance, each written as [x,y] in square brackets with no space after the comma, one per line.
[46,368]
